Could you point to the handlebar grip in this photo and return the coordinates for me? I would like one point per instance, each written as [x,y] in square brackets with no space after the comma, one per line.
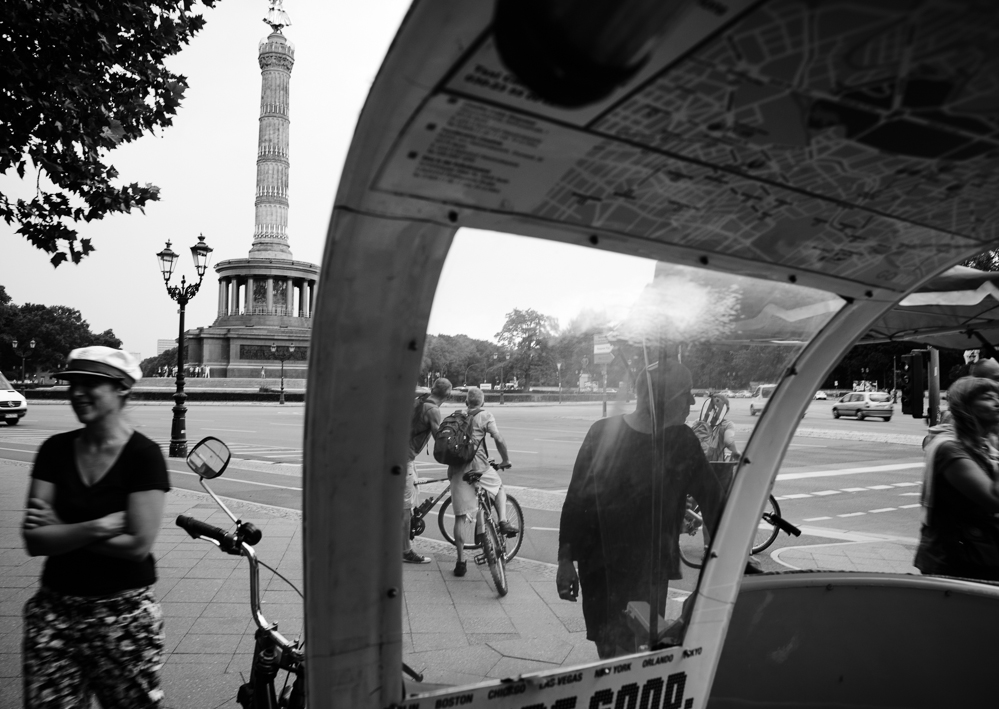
[196,528]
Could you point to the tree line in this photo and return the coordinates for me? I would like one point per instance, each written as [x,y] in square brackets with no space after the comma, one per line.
[56,330]
[534,351]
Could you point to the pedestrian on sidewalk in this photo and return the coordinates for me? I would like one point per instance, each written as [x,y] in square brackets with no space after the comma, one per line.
[94,509]
[426,421]
[463,499]
[960,532]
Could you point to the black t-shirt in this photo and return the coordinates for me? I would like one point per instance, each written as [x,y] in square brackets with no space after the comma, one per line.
[607,516]
[81,572]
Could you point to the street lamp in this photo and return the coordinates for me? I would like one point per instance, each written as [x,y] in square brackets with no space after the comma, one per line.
[282,355]
[201,253]
[23,354]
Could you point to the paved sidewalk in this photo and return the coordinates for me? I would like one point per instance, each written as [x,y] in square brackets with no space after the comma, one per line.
[455,630]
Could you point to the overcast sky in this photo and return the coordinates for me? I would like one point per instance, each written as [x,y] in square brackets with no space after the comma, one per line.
[205,167]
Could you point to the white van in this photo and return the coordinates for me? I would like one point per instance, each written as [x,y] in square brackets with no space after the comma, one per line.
[760,397]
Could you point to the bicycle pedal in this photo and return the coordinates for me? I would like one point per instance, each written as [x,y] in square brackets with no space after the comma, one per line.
[510,535]
[480,559]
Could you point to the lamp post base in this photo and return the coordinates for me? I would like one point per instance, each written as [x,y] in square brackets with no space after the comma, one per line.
[178,429]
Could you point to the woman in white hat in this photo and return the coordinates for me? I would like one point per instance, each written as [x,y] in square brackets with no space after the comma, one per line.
[94,509]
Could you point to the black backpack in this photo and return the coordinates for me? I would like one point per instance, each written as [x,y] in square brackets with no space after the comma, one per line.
[454,444]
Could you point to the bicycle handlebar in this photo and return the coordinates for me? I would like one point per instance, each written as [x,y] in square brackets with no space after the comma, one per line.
[500,466]
[239,544]
[196,528]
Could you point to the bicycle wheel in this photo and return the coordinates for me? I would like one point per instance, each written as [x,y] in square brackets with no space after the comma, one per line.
[447,526]
[766,532]
[491,548]
[515,515]
[694,540]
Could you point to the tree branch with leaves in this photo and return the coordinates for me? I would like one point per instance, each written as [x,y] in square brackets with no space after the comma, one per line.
[83,77]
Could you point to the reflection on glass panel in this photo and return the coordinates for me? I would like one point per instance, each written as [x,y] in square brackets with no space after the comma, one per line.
[624,426]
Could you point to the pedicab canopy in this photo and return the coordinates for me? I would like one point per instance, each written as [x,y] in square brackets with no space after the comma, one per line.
[796,170]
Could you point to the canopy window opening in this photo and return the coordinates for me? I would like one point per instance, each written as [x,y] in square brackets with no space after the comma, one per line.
[622,395]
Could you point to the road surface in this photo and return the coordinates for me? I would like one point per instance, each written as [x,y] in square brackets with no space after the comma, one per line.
[831,484]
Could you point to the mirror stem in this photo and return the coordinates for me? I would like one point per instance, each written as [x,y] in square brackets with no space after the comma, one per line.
[218,501]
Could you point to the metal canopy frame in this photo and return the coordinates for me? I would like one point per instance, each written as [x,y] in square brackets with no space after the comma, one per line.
[387,241]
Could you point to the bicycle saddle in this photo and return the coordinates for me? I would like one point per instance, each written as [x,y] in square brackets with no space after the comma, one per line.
[471,478]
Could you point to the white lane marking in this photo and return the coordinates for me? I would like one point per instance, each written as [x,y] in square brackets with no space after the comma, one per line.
[815,519]
[854,536]
[880,487]
[906,484]
[545,529]
[854,489]
[296,425]
[284,455]
[804,445]
[230,430]
[850,471]
[511,450]
[908,507]
[883,509]
[796,496]
[909,494]
[541,430]
[238,480]
[557,440]
[827,492]
[852,514]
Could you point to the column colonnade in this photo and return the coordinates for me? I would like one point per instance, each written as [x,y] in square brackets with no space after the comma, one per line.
[236,296]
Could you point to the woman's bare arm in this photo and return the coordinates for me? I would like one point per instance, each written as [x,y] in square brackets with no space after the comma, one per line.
[972,482]
[145,516]
[45,535]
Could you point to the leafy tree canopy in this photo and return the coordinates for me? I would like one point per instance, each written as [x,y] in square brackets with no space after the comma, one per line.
[82,77]
[150,366]
[56,330]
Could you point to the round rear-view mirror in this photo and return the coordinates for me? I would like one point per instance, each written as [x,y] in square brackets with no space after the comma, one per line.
[209,458]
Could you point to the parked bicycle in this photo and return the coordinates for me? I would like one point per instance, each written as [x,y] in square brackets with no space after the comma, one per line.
[445,518]
[272,652]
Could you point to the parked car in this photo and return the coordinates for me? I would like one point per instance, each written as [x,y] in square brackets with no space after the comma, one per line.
[760,397]
[13,406]
[863,404]
[821,395]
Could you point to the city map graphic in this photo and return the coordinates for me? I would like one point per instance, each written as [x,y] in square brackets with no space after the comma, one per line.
[815,135]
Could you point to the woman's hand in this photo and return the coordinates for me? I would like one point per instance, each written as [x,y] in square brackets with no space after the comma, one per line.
[109,526]
[39,514]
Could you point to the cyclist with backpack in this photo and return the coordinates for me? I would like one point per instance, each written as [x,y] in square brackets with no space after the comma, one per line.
[471,427]
[426,421]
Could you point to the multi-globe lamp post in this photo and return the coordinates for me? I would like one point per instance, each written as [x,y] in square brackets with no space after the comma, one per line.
[283,354]
[23,354]
[182,294]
